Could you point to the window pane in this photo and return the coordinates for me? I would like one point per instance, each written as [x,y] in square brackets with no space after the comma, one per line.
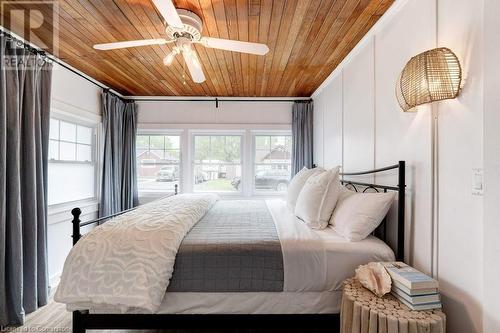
[172,142]
[84,153]
[142,142]
[54,129]
[217,178]
[68,131]
[53,150]
[263,142]
[62,186]
[232,149]
[156,142]
[84,134]
[152,177]
[172,156]
[67,151]
[201,149]
[158,163]
[156,154]
[272,165]
[217,163]
[217,149]
[272,177]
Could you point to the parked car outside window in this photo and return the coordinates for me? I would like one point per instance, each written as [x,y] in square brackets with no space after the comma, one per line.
[276,180]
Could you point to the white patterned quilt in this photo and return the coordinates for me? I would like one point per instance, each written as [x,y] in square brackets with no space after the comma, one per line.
[128,261]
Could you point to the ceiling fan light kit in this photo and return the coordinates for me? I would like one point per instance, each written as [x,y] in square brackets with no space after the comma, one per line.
[184,29]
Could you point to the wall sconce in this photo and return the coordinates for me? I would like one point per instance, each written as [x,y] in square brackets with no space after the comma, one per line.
[430,76]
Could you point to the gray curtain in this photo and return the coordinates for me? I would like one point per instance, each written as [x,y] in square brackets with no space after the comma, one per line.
[302,134]
[25,84]
[119,174]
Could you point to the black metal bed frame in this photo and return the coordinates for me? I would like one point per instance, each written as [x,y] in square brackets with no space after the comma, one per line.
[83,319]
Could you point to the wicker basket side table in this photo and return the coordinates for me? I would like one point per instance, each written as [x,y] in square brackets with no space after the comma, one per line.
[362,311]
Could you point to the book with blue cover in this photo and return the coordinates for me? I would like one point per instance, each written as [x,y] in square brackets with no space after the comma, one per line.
[421,306]
[416,299]
[409,276]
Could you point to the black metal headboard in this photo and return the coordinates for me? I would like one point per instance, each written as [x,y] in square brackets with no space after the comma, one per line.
[381,231]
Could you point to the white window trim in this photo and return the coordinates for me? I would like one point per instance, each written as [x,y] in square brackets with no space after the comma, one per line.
[165,132]
[242,135]
[96,154]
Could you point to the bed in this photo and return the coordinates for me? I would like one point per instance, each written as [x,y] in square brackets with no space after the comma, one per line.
[244,264]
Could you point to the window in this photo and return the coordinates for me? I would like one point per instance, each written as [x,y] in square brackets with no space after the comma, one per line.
[217,163]
[72,167]
[272,162]
[158,163]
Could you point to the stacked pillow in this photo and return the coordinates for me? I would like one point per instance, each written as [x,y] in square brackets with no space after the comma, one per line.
[357,215]
[297,183]
[317,198]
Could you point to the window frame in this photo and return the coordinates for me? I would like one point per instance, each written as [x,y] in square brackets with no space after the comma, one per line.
[148,132]
[77,123]
[238,133]
[254,192]
[95,125]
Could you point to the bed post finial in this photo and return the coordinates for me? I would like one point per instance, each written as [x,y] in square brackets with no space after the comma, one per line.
[76,224]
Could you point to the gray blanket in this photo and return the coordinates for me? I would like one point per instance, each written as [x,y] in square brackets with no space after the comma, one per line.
[233,248]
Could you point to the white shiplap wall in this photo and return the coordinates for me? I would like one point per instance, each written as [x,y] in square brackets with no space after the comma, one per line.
[357,103]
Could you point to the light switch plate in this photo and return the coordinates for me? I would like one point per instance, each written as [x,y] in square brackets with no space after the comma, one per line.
[477,182]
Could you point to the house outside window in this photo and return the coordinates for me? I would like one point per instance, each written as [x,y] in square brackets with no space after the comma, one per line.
[272,163]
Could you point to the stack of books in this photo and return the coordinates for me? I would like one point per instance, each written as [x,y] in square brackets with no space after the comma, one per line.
[413,288]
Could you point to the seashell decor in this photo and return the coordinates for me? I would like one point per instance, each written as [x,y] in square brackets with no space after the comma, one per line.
[375,278]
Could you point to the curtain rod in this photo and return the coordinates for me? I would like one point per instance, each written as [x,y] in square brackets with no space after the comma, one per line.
[215,99]
[49,58]
[218,100]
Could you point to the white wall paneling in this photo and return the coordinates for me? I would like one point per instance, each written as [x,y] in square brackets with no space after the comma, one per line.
[460,138]
[358,109]
[375,132]
[491,228]
[330,106]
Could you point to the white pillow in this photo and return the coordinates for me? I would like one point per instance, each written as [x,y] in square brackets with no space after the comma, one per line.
[358,214]
[318,197]
[296,185]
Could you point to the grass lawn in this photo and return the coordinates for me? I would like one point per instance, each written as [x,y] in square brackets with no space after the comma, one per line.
[216,185]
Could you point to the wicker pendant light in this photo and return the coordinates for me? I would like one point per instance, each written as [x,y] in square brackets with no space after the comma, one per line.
[430,76]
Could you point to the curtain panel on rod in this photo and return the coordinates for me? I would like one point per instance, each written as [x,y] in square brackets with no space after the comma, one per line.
[119,175]
[302,134]
[25,88]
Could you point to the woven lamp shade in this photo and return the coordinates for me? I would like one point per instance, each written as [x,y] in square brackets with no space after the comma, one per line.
[430,76]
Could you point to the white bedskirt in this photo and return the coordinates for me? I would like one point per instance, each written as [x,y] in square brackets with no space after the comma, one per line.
[245,303]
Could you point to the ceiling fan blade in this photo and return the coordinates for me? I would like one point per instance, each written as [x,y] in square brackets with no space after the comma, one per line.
[169,13]
[194,66]
[130,43]
[235,45]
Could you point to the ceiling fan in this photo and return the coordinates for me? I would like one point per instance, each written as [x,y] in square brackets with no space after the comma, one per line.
[184,29]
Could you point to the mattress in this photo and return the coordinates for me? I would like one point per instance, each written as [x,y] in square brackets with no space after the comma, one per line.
[315,264]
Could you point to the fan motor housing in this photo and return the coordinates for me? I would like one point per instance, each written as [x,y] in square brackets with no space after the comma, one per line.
[192,26]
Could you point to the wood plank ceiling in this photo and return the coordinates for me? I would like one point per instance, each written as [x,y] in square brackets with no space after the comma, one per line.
[307,40]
